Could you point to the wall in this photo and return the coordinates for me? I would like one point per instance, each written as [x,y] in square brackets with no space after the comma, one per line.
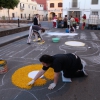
[84,6]
[17,11]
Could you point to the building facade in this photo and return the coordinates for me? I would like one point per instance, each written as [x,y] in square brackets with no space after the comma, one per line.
[42,13]
[43,2]
[26,9]
[80,7]
[54,8]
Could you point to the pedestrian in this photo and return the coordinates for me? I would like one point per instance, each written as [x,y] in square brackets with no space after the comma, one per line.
[65,22]
[70,64]
[72,20]
[36,30]
[55,21]
[77,20]
[84,21]
[36,20]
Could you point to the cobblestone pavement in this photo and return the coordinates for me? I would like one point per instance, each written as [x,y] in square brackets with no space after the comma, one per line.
[19,54]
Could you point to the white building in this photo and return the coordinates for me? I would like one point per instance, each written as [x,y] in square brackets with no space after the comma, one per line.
[80,7]
[40,10]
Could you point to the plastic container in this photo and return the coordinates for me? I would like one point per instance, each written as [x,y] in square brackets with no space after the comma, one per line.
[55,39]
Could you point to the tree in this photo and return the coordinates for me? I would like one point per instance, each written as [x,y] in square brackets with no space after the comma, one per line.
[1,3]
[9,4]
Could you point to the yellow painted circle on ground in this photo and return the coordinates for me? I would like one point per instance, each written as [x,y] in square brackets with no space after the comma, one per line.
[74,43]
[20,77]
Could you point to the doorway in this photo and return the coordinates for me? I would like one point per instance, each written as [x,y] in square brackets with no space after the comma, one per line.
[74,14]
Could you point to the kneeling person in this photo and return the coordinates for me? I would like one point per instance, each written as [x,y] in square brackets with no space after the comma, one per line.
[70,64]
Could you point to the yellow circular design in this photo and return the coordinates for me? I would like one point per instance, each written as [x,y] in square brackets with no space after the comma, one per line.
[20,77]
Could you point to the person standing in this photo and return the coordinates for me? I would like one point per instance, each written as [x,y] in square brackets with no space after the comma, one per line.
[65,22]
[70,64]
[77,20]
[55,21]
[36,20]
[84,21]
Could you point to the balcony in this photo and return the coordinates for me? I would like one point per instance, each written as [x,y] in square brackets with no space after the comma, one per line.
[74,5]
[21,8]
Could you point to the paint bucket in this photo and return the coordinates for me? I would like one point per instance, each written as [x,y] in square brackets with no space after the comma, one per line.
[67,30]
[3,66]
[55,39]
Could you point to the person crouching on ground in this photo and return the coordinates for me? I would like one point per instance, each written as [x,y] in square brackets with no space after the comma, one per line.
[36,30]
[69,63]
[71,29]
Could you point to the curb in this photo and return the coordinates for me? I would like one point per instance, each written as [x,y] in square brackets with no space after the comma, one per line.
[13,40]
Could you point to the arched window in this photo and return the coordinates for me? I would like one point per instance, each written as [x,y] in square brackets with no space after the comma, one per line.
[51,5]
[59,4]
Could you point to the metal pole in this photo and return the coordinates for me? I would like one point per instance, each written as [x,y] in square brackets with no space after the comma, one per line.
[18,22]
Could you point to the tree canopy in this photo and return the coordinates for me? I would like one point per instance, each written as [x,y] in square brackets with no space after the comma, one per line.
[9,4]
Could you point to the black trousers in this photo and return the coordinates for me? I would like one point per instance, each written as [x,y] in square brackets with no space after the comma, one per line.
[74,70]
[65,25]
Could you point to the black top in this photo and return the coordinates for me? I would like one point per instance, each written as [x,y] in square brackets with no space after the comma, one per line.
[36,27]
[62,62]
[35,20]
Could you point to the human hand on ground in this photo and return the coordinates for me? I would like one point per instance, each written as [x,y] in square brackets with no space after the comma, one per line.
[31,82]
[51,86]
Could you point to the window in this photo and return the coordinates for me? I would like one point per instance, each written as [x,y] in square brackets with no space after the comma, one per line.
[20,4]
[13,15]
[74,3]
[94,12]
[51,5]
[94,1]
[28,6]
[59,4]
[25,15]
[23,5]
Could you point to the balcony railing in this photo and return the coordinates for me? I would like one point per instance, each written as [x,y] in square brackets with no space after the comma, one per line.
[21,8]
[73,5]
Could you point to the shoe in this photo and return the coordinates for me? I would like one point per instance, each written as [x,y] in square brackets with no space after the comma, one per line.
[85,73]
[41,42]
[84,64]
[28,43]
[39,38]
[34,40]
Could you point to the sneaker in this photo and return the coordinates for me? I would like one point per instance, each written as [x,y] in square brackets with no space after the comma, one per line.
[37,40]
[84,64]
[85,73]
[34,40]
